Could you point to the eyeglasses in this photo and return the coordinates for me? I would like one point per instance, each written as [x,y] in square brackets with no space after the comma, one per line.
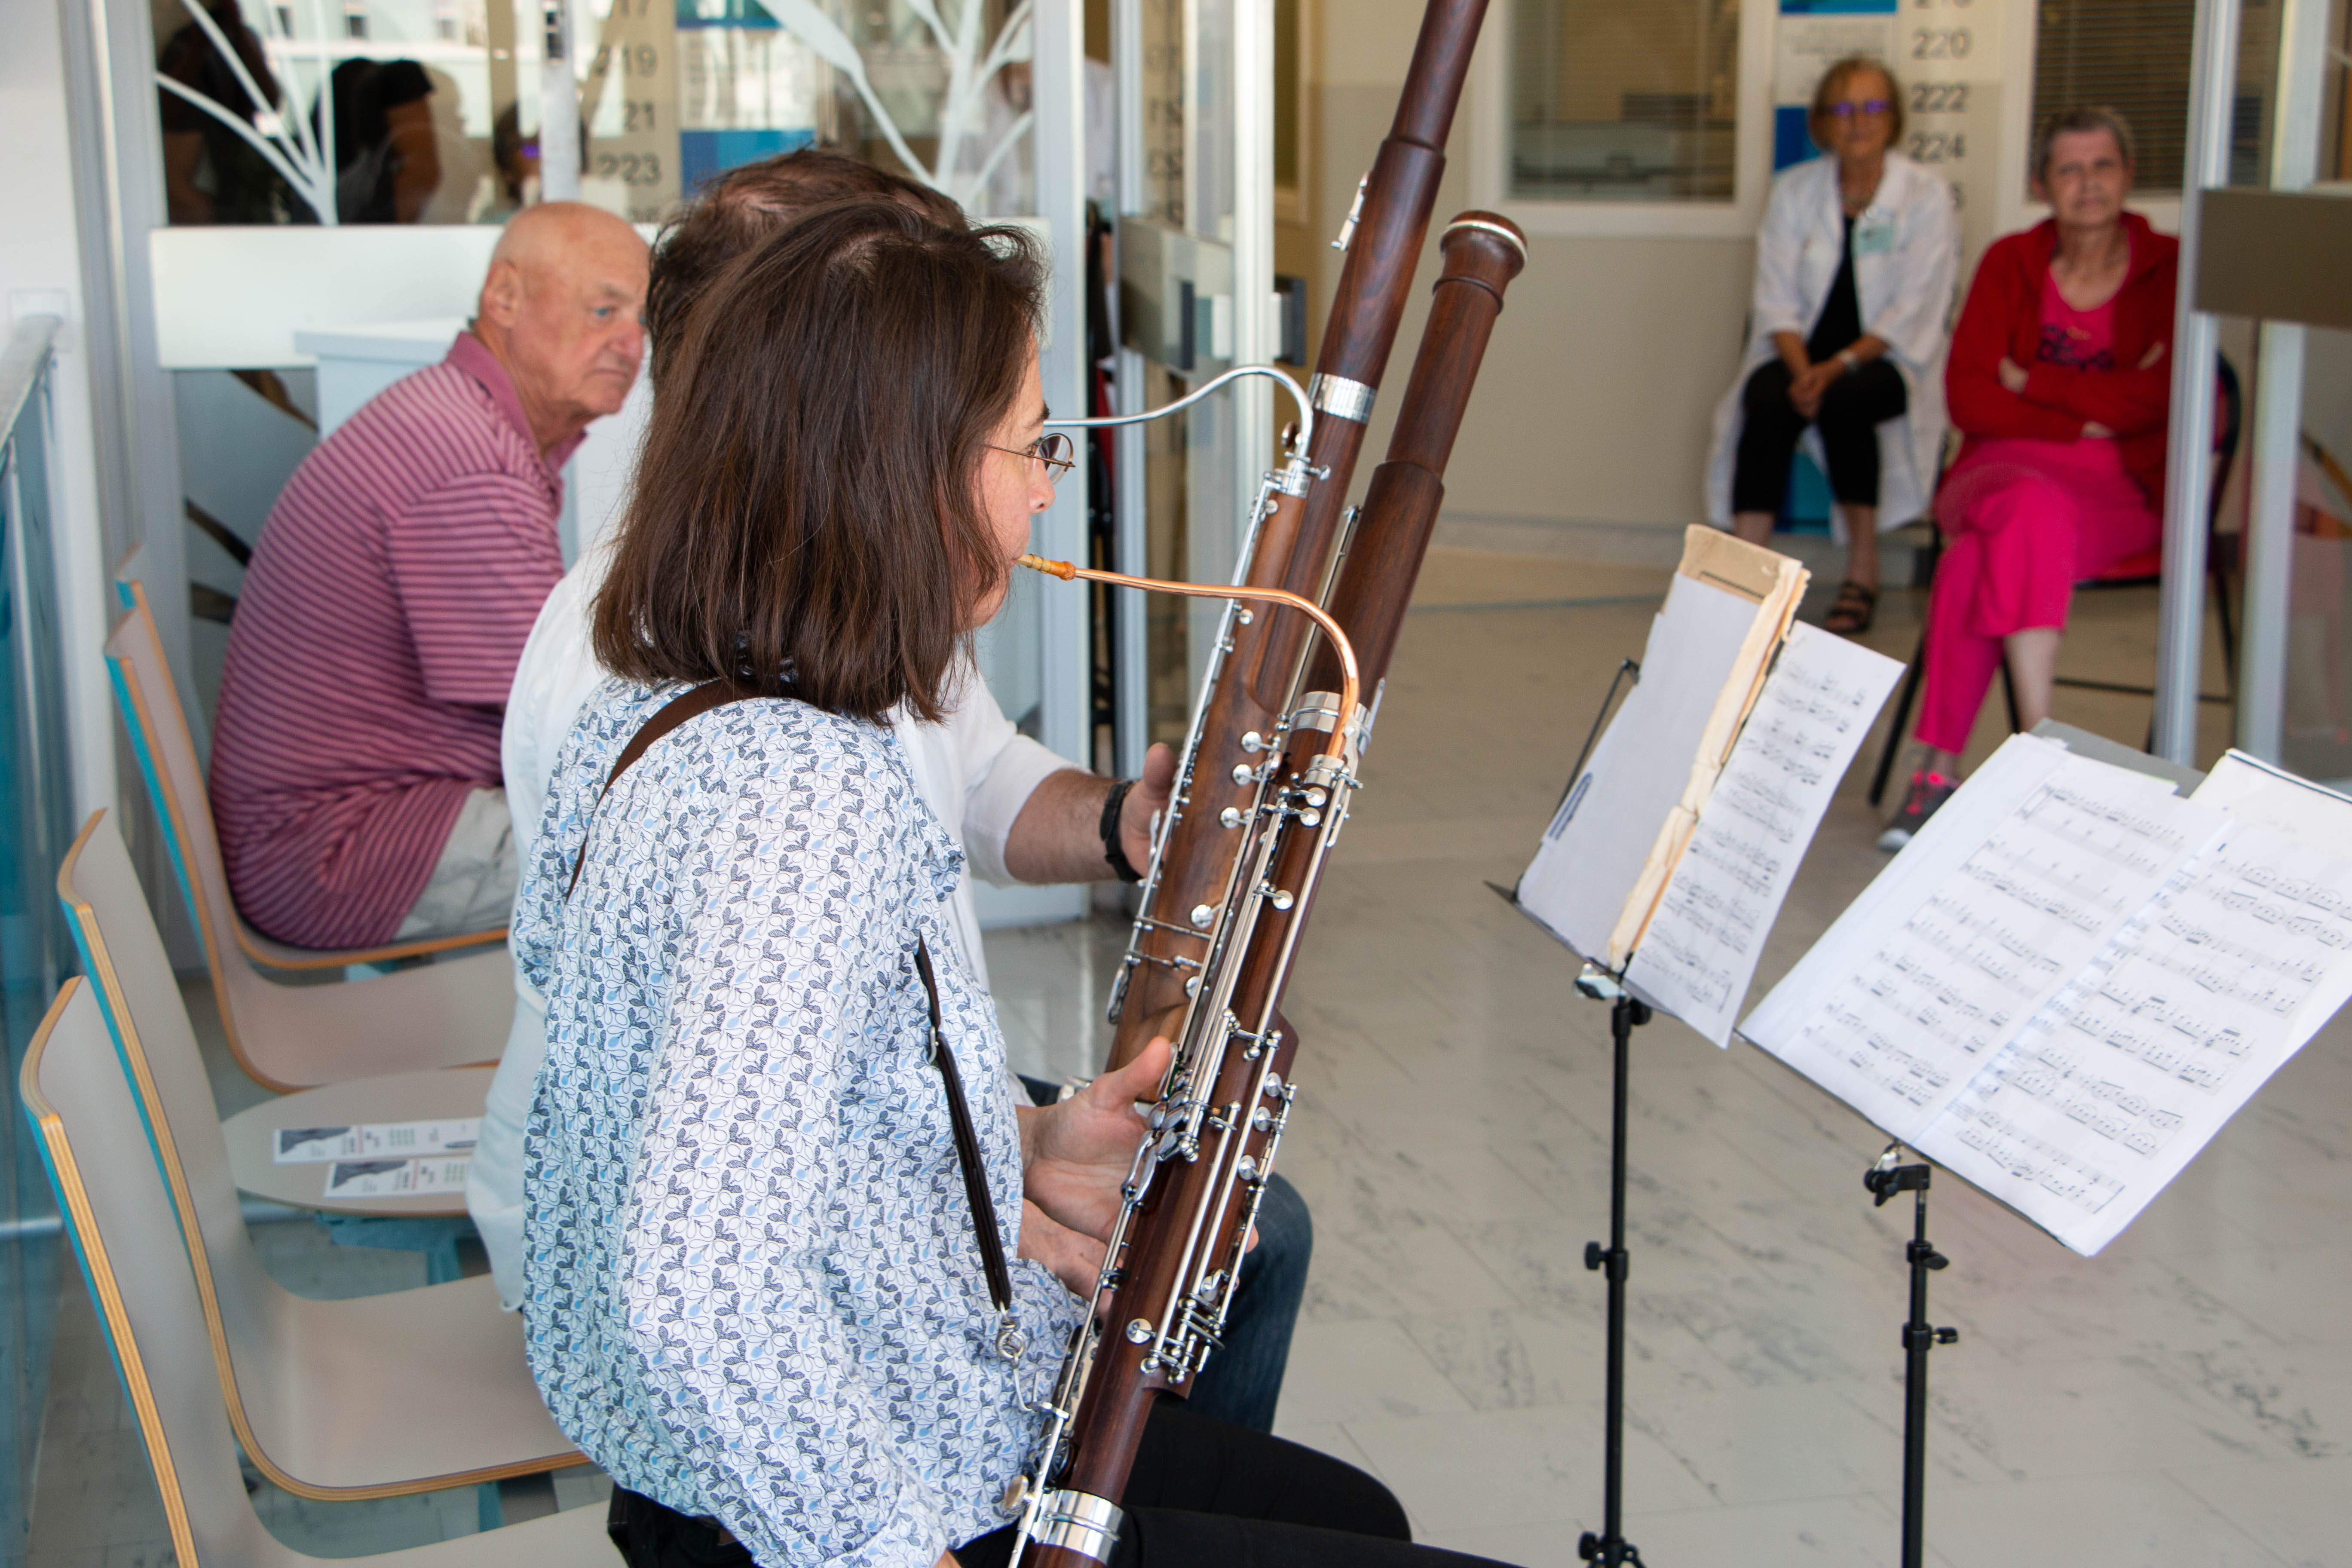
[1848,110]
[1054,451]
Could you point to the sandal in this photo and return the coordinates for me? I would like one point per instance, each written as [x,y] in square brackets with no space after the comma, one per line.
[1851,615]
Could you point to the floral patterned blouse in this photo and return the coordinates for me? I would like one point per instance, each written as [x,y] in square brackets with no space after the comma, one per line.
[751,1286]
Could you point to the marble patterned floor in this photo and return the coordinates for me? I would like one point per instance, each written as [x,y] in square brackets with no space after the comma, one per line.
[2187,1396]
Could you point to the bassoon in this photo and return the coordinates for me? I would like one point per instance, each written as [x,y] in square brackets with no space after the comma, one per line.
[1191,1197]
[1299,525]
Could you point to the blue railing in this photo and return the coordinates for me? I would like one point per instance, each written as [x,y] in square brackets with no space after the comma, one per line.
[35,952]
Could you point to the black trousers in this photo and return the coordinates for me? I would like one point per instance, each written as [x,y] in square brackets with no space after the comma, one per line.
[1851,409]
[1204,1494]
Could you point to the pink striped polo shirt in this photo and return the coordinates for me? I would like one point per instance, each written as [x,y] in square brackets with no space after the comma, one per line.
[374,641]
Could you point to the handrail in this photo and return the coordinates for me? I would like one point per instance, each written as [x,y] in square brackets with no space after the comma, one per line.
[22,363]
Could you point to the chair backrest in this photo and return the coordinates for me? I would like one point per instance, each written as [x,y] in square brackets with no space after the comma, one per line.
[120,1220]
[2227,412]
[156,1052]
[166,750]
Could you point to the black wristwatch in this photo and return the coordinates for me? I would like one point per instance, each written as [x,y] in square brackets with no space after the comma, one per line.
[1115,853]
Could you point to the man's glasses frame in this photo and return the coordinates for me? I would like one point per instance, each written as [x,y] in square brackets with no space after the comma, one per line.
[1056,450]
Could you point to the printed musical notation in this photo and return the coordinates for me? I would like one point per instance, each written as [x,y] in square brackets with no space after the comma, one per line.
[1921,1010]
[2113,1087]
[1700,948]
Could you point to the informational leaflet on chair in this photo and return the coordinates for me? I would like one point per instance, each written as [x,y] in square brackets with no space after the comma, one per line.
[1894,1014]
[2072,978]
[1700,950]
[396,1178]
[375,1141]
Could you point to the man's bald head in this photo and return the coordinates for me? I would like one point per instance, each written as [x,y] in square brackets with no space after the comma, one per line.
[563,310]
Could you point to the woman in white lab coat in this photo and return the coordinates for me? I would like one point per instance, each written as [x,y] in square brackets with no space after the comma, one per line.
[1855,265]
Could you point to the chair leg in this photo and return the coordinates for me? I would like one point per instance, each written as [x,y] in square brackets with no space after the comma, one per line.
[2229,631]
[1901,720]
[2008,690]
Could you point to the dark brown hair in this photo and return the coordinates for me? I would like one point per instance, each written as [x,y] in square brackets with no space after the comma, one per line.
[807,517]
[1833,82]
[742,208]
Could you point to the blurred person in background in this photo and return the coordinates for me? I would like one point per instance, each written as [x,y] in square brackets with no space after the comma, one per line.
[2060,379]
[1856,265]
[212,174]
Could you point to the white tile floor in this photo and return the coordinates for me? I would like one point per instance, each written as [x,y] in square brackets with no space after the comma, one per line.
[2187,1396]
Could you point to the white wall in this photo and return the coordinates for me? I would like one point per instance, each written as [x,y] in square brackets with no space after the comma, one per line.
[1588,432]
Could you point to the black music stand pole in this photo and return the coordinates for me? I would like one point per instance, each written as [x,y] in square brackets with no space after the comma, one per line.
[1884,1180]
[1609,1548]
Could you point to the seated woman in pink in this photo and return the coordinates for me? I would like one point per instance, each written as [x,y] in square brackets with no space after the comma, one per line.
[2060,378]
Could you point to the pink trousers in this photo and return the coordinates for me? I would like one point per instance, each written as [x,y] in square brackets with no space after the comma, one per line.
[2023,521]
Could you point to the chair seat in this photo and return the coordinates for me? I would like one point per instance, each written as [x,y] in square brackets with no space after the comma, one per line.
[252,1136]
[451,1014]
[415,1384]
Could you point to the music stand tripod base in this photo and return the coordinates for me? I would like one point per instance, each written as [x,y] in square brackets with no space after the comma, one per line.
[1626,1012]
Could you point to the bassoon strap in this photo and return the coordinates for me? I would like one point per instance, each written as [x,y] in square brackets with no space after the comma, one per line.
[717,694]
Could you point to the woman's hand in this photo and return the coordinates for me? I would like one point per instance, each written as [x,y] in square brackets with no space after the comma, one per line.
[1074,1155]
[2155,354]
[2011,375]
[1805,390]
[2095,431]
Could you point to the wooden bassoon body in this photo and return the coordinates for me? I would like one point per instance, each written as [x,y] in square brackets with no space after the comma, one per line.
[1296,532]
[1192,1195]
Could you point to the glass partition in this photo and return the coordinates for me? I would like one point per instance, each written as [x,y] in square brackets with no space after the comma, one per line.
[35,954]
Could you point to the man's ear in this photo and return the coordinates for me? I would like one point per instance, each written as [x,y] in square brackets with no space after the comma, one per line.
[502,294]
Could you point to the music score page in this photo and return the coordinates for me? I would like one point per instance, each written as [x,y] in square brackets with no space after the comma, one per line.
[1896,1013]
[1701,946]
[2108,1092]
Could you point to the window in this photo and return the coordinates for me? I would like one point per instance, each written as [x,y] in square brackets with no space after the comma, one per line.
[1616,100]
[2132,56]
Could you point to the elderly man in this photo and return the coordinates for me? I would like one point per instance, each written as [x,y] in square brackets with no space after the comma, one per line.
[356,758]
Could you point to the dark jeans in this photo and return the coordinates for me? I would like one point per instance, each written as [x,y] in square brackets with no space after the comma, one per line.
[1242,1381]
[1851,409]
[1204,1494]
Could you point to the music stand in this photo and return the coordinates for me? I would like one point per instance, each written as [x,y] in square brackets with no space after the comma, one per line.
[1626,1012]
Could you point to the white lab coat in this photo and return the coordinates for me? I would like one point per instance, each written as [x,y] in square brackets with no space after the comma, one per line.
[1906,293]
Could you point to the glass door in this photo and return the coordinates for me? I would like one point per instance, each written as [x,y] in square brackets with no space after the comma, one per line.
[1195,297]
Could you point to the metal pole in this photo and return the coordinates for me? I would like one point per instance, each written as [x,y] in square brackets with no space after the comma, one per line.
[2278,402]
[1609,1548]
[2180,623]
[1130,657]
[1919,1338]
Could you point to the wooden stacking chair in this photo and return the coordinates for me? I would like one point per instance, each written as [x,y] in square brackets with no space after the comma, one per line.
[375,1396]
[449,1014]
[120,1220]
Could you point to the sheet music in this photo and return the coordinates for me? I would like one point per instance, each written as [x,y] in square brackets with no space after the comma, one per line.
[2113,1086]
[1593,852]
[1700,951]
[1926,997]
